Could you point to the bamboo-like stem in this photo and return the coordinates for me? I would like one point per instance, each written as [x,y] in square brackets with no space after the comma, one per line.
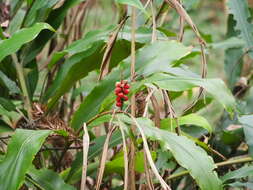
[21,78]
[220,164]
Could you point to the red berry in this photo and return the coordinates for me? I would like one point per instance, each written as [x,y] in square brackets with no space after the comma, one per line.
[118,84]
[125,91]
[126,86]
[118,90]
[118,99]
[121,95]
[125,98]
[119,104]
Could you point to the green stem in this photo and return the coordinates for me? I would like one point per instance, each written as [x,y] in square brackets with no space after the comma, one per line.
[21,78]
[225,163]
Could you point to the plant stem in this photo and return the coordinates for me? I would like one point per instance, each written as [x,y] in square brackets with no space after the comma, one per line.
[220,164]
[21,78]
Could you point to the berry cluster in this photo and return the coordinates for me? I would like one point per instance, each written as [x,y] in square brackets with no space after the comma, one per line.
[121,90]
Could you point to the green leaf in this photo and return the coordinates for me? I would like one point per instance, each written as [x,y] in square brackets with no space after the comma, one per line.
[48,180]
[191,119]
[7,104]
[233,62]
[21,37]
[55,19]
[200,104]
[247,122]
[22,148]
[248,185]
[187,154]
[38,12]
[149,59]
[116,165]
[215,87]
[88,51]
[134,3]
[9,84]
[16,21]
[240,10]
[240,173]
[233,65]
[72,71]
[232,42]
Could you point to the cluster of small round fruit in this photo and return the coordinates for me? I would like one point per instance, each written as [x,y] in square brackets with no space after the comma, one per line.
[121,90]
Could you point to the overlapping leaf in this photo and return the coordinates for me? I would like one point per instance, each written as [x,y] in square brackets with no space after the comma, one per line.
[187,154]
[48,180]
[21,37]
[22,148]
[149,59]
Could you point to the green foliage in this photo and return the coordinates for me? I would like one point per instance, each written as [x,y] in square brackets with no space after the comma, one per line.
[21,37]
[191,119]
[149,59]
[59,62]
[186,153]
[47,179]
[240,11]
[21,151]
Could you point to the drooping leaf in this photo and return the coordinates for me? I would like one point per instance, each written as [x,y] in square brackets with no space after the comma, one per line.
[48,180]
[21,37]
[248,185]
[215,87]
[247,122]
[232,42]
[149,59]
[187,154]
[22,148]
[55,19]
[191,119]
[88,52]
[240,173]
[240,10]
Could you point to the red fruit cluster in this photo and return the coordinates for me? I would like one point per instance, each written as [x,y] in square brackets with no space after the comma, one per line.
[121,90]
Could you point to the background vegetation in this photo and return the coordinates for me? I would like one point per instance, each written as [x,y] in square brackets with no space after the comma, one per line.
[187,123]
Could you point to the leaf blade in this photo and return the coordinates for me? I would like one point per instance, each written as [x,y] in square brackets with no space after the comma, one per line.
[21,150]
[21,37]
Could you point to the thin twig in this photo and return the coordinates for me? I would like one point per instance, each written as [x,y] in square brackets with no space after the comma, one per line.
[125,156]
[104,153]
[108,51]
